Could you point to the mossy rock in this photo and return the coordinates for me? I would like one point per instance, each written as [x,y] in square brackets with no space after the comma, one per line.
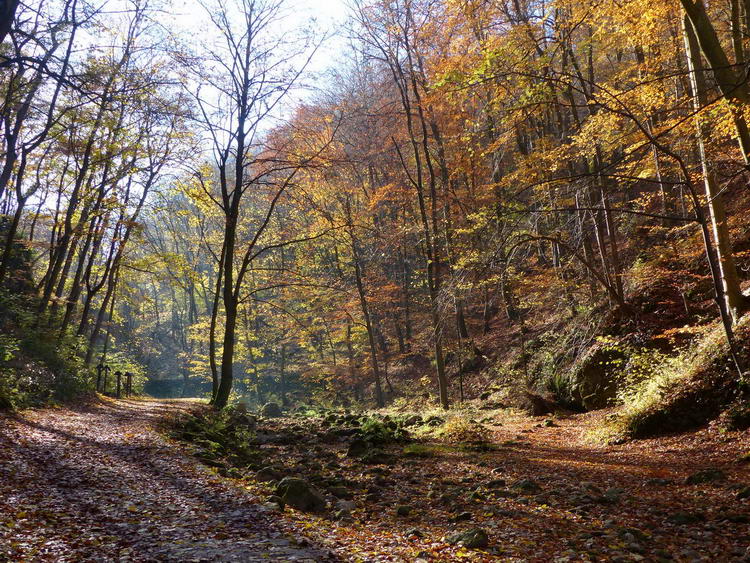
[300,494]
[271,410]
[475,538]
[592,382]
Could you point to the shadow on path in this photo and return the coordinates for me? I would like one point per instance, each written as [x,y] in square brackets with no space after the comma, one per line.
[98,483]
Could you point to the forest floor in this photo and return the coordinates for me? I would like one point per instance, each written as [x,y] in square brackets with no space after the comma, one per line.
[541,493]
[101,482]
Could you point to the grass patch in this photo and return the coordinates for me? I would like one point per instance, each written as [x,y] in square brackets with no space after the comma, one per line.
[423,450]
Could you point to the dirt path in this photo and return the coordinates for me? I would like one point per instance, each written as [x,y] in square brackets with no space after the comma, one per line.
[98,483]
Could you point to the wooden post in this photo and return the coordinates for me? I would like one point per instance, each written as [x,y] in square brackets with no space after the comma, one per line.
[99,370]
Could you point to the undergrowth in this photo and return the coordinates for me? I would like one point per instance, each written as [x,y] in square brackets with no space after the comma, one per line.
[665,393]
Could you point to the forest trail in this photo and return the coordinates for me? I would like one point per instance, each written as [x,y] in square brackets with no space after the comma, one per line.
[99,483]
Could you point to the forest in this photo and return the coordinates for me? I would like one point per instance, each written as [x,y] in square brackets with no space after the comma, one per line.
[435,280]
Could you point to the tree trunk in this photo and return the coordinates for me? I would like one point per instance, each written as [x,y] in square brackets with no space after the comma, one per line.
[732,293]
[732,84]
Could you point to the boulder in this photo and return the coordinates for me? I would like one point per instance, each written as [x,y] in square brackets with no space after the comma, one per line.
[592,382]
[358,447]
[403,510]
[526,486]
[299,494]
[377,457]
[475,538]
[462,517]
[413,420]
[347,505]
[340,492]
[682,518]
[495,484]
[271,410]
[536,405]
[268,474]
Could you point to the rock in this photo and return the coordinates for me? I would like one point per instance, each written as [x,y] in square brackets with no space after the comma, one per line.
[475,538]
[403,510]
[734,518]
[447,498]
[705,476]
[486,395]
[414,533]
[344,432]
[434,420]
[413,420]
[613,495]
[526,486]
[632,534]
[271,410]
[477,496]
[549,423]
[593,378]
[299,494]
[682,518]
[536,405]
[343,515]
[659,482]
[495,484]
[340,492]
[345,505]
[377,457]
[743,493]
[358,447]
[462,517]
[267,474]
[275,499]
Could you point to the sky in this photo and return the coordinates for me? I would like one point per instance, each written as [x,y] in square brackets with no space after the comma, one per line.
[327,16]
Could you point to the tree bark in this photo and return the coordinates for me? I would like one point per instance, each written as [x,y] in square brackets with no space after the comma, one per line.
[732,294]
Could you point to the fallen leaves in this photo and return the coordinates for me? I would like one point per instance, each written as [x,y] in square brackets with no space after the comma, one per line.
[99,483]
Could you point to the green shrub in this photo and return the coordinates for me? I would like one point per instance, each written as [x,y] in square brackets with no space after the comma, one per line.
[228,432]
[459,428]
[383,431]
